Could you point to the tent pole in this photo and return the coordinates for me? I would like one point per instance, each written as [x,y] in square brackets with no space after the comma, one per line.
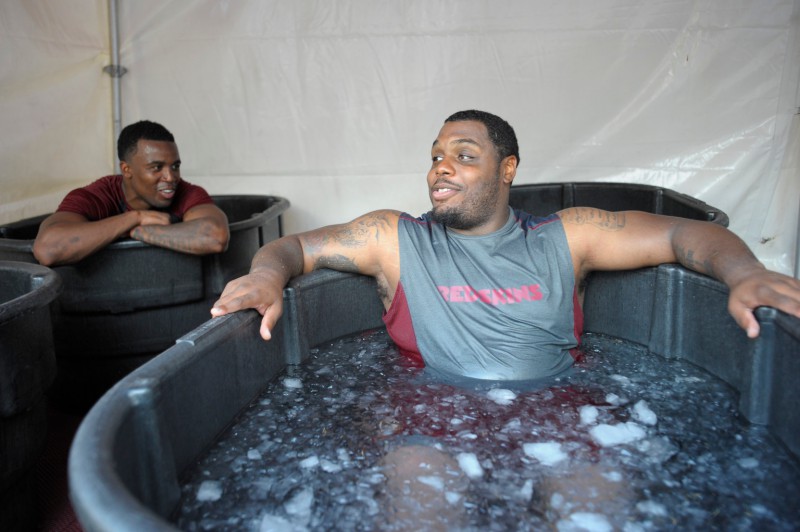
[797,249]
[115,71]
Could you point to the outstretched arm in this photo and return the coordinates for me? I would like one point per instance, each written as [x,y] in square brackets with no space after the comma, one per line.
[204,230]
[602,240]
[367,245]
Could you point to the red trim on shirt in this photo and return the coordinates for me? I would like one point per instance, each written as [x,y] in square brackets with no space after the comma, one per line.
[398,324]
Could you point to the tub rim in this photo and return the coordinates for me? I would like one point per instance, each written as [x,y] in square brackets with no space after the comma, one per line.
[93,475]
[280,205]
[45,286]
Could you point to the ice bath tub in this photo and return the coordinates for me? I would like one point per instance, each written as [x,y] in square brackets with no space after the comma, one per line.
[27,369]
[130,301]
[148,429]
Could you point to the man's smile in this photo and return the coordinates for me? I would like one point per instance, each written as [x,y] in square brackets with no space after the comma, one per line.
[443,190]
[166,191]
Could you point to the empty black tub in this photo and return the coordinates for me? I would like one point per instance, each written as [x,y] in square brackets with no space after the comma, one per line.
[545,198]
[130,301]
[27,369]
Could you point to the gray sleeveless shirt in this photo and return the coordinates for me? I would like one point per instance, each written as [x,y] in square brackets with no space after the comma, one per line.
[499,306]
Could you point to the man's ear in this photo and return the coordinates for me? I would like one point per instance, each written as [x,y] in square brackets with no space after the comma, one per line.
[125,168]
[508,169]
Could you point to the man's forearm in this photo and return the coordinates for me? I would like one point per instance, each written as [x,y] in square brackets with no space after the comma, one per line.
[714,251]
[283,259]
[69,242]
[197,237]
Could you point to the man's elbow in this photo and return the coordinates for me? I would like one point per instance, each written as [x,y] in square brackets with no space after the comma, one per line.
[220,242]
[220,246]
[44,254]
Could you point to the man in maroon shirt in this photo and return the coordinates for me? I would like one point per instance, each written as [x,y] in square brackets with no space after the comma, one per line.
[148,202]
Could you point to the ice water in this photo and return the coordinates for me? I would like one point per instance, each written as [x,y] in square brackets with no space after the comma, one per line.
[355,438]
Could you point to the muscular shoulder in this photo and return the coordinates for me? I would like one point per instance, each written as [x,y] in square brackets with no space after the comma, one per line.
[188,197]
[100,199]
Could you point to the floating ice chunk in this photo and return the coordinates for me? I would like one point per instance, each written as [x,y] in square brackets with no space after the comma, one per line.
[310,462]
[614,399]
[658,449]
[469,465]
[622,379]
[557,501]
[300,504]
[456,421]
[760,509]
[329,467]
[292,383]
[276,523]
[452,497]
[342,454]
[652,508]
[609,435]
[501,396]
[324,370]
[748,463]
[643,414]
[253,454]
[432,481]
[588,414]
[585,521]
[548,453]
[526,493]
[209,490]
[613,476]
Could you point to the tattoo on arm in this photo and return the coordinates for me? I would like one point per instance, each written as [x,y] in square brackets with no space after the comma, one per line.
[188,237]
[687,258]
[605,220]
[336,262]
[352,235]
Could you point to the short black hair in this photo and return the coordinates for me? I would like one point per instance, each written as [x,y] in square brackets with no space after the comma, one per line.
[130,136]
[500,132]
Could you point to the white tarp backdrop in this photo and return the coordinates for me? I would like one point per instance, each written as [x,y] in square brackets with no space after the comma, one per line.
[334,104]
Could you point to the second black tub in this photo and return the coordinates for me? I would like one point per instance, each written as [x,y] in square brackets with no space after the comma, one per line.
[130,301]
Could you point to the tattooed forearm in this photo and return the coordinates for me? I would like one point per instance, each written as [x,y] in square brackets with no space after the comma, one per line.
[608,221]
[196,237]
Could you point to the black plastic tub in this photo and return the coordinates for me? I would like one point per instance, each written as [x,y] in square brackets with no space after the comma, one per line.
[545,198]
[130,301]
[27,369]
[134,444]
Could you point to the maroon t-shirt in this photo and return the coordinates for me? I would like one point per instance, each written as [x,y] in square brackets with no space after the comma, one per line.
[105,197]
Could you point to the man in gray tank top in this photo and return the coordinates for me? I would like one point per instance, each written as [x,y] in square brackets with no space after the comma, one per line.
[475,289]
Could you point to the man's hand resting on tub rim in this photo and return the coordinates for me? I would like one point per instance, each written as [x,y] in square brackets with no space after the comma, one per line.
[262,289]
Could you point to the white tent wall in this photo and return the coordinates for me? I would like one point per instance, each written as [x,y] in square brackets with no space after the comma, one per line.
[334,105]
[54,102]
